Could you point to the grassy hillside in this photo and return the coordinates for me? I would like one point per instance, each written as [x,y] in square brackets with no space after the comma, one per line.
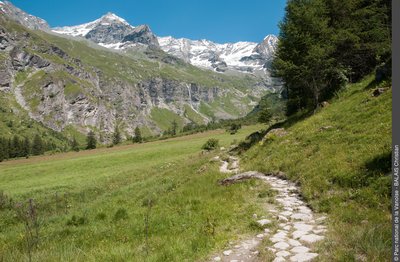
[341,157]
[93,205]
[164,118]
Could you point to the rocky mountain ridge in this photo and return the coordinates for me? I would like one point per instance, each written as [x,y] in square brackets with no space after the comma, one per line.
[114,32]
[246,57]
[27,20]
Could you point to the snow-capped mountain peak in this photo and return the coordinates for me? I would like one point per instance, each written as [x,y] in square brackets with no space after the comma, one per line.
[246,57]
[113,17]
[82,30]
[111,31]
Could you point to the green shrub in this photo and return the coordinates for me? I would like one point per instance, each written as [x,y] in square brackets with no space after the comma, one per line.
[101,216]
[211,144]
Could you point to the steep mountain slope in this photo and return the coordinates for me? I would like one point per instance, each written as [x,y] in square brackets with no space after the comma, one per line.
[62,82]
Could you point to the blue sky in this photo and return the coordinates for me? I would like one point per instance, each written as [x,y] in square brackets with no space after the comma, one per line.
[217,20]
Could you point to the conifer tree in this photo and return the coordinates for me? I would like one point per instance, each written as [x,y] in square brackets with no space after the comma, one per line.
[5,148]
[37,146]
[116,136]
[138,136]
[325,43]
[265,114]
[74,145]
[26,147]
[91,140]
[174,128]
[16,147]
[2,150]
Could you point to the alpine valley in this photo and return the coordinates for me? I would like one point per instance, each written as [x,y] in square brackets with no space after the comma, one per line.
[70,80]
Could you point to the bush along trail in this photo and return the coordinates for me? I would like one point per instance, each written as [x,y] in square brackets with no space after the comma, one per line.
[290,233]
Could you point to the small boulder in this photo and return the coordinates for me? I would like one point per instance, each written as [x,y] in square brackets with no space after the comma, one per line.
[325,128]
[264,222]
[227,252]
[379,91]
[324,104]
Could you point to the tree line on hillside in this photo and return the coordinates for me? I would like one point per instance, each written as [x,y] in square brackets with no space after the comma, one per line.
[17,147]
[324,44]
[23,147]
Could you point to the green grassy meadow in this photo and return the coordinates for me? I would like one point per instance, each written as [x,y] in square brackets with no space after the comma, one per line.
[341,156]
[157,201]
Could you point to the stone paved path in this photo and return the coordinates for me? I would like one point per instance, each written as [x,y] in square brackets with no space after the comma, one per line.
[299,228]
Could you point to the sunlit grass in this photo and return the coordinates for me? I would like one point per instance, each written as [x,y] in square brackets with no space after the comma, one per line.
[341,158]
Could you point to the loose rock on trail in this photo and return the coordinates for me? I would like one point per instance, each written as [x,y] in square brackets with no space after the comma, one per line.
[298,227]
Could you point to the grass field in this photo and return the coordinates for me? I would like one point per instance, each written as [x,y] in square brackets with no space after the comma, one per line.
[157,201]
[341,156]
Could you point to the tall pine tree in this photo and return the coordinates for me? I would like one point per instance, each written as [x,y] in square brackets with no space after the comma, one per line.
[116,136]
[138,136]
[37,146]
[26,149]
[91,140]
[74,145]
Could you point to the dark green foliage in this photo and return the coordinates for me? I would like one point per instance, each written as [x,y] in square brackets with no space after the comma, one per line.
[211,144]
[265,114]
[91,140]
[275,102]
[190,127]
[174,128]
[101,216]
[13,148]
[4,149]
[234,127]
[116,136]
[138,136]
[74,145]
[172,131]
[26,148]
[251,140]
[38,146]
[324,44]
